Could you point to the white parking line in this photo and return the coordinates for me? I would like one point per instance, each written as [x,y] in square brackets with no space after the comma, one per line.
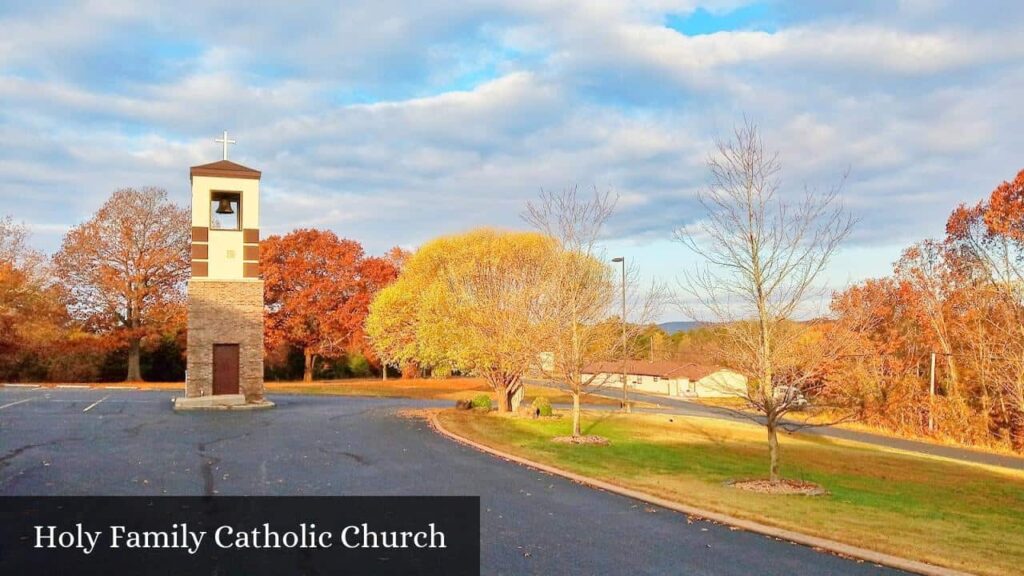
[9,404]
[93,405]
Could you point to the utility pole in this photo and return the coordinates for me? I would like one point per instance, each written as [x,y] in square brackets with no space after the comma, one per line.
[625,383]
[931,396]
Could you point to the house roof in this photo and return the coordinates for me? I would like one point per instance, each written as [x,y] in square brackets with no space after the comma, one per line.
[660,368]
[225,169]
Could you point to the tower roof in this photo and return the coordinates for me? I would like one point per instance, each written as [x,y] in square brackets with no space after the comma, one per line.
[224,169]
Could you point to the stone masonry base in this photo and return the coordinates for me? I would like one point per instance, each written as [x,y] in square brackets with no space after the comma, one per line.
[225,312]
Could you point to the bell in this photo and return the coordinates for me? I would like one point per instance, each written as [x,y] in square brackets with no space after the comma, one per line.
[224,207]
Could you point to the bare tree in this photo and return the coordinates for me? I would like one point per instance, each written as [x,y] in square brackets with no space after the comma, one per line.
[763,254]
[582,293]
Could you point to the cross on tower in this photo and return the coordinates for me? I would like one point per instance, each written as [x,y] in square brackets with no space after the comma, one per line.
[224,140]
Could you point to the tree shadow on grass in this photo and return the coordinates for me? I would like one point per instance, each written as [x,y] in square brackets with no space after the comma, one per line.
[588,427]
[718,439]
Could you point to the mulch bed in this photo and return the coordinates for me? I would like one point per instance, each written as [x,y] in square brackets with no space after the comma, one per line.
[784,487]
[591,440]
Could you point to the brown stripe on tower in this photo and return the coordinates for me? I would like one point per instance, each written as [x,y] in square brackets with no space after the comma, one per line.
[251,235]
[200,234]
[251,269]
[200,269]
[200,251]
[251,253]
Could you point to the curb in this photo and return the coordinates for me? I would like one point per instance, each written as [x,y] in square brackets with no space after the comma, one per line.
[748,525]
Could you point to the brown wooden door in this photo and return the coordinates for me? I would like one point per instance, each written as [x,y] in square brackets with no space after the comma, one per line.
[225,368]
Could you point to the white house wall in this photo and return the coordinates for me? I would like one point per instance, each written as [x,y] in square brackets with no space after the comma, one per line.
[721,384]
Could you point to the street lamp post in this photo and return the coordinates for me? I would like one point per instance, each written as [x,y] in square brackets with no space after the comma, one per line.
[625,383]
[931,396]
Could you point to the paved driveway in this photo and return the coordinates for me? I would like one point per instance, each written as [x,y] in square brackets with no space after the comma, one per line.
[670,405]
[678,406]
[64,442]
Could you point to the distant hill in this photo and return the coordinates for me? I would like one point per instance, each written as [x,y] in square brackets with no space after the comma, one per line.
[671,328]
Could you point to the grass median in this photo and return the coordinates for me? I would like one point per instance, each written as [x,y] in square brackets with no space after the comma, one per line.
[425,389]
[963,516]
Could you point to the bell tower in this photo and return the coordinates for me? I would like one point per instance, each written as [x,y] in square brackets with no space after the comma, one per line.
[225,292]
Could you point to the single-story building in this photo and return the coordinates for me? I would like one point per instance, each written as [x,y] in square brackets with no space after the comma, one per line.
[669,377]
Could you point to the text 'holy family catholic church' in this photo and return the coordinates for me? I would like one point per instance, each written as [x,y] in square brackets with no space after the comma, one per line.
[225,292]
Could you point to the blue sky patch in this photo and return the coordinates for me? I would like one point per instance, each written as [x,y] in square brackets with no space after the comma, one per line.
[757,16]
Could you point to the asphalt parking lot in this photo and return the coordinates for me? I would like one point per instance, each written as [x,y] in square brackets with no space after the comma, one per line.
[112,442]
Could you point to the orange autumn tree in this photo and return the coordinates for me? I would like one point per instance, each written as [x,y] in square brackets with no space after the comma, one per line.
[31,314]
[318,288]
[961,301]
[988,239]
[129,259]
[882,376]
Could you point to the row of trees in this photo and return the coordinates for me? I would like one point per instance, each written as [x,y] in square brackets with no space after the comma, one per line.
[949,318]
[501,303]
[110,304]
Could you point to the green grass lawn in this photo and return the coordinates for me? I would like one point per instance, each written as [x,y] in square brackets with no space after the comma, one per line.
[962,516]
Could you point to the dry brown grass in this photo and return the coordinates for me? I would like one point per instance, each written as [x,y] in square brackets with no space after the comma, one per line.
[453,389]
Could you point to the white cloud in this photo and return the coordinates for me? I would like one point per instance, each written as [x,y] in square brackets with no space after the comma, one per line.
[363,119]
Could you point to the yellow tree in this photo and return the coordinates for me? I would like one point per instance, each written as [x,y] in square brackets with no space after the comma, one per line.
[470,302]
[391,323]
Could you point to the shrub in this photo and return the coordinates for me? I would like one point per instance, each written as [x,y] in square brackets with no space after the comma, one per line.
[358,365]
[543,405]
[482,401]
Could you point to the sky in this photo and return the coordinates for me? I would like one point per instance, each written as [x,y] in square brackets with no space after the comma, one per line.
[392,122]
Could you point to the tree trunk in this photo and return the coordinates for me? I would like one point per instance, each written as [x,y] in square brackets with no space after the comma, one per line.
[504,399]
[576,414]
[134,370]
[1016,425]
[134,344]
[307,373]
[410,370]
[773,451]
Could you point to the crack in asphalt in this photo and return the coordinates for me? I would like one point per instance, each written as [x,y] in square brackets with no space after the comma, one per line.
[4,460]
[208,462]
[359,459]
[206,473]
[351,414]
[134,431]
